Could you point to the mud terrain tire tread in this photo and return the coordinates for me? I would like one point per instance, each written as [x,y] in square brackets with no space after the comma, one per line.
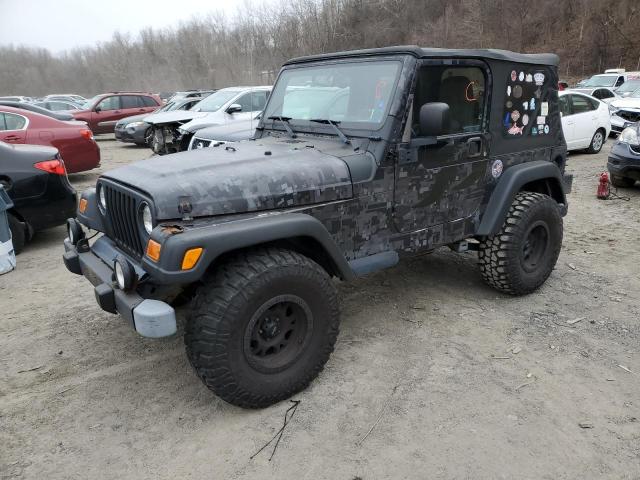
[499,254]
[216,320]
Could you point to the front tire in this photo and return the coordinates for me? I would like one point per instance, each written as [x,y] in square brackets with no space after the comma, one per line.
[262,326]
[597,141]
[520,258]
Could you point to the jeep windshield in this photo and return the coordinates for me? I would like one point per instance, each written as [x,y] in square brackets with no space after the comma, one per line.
[215,101]
[355,95]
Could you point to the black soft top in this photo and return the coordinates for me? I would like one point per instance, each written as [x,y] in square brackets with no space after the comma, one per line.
[419,52]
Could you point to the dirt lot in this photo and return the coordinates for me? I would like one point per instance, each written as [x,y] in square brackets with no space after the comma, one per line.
[456,380]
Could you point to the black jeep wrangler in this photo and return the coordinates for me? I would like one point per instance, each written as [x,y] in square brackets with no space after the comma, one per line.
[360,159]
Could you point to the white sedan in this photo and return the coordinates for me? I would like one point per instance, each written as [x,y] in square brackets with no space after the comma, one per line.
[585,121]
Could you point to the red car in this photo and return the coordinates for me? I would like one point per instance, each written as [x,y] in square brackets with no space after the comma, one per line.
[103,111]
[73,139]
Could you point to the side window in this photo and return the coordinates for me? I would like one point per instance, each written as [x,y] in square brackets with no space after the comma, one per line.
[245,102]
[603,93]
[462,88]
[9,121]
[565,105]
[129,101]
[258,101]
[110,103]
[620,81]
[148,102]
[581,104]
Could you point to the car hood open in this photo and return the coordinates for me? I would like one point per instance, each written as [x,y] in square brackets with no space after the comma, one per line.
[248,176]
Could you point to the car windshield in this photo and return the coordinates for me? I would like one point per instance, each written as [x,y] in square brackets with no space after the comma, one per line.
[629,86]
[214,102]
[89,103]
[357,95]
[168,107]
[601,81]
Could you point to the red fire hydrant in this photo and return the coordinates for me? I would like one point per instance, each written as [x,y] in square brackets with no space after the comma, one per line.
[604,188]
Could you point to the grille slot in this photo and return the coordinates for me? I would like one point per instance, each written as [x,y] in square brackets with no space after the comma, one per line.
[122,213]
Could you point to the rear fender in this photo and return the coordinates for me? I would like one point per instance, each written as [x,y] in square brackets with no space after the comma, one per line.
[537,176]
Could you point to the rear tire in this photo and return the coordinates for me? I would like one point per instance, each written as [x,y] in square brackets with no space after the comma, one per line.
[520,258]
[622,182]
[18,234]
[262,326]
[597,141]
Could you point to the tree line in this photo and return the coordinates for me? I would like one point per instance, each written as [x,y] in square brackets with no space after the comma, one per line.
[215,51]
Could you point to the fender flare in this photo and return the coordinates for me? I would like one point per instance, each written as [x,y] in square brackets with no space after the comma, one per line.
[510,183]
[218,238]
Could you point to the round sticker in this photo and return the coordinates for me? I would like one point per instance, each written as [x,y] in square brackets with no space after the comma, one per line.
[525,119]
[514,75]
[515,115]
[517,91]
[546,129]
[521,76]
[509,104]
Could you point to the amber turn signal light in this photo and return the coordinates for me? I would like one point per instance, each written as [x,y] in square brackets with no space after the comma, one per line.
[191,257]
[153,250]
[83,205]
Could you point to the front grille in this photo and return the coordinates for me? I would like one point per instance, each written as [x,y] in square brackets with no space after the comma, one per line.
[122,215]
[629,115]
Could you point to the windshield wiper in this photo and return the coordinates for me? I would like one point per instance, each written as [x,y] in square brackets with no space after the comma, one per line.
[334,124]
[285,123]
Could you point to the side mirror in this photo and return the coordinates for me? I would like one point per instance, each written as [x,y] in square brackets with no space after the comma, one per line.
[97,109]
[234,107]
[434,119]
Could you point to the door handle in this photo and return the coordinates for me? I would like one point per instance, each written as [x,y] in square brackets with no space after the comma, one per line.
[116,111]
[141,110]
[474,147]
[11,138]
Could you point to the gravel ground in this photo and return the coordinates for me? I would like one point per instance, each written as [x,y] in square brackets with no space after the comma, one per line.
[434,375]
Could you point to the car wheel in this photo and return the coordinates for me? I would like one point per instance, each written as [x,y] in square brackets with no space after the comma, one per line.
[622,182]
[520,258]
[597,141]
[262,326]
[18,234]
[148,137]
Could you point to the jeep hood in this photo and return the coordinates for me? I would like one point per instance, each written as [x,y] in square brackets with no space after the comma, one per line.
[174,116]
[250,176]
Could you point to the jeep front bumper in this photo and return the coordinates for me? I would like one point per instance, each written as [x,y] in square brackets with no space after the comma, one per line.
[150,318]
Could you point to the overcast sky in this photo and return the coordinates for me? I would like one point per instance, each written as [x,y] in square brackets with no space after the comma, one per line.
[63,24]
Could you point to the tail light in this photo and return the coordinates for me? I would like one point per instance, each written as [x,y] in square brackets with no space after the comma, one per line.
[55,166]
[86,133]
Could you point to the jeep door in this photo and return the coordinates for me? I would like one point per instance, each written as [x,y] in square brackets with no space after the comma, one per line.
[442,179]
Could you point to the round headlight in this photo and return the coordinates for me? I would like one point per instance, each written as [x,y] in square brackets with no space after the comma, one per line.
[103,198]
[147,219]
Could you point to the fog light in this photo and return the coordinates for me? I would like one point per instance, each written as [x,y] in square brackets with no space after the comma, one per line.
[74,231]
[124,274]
